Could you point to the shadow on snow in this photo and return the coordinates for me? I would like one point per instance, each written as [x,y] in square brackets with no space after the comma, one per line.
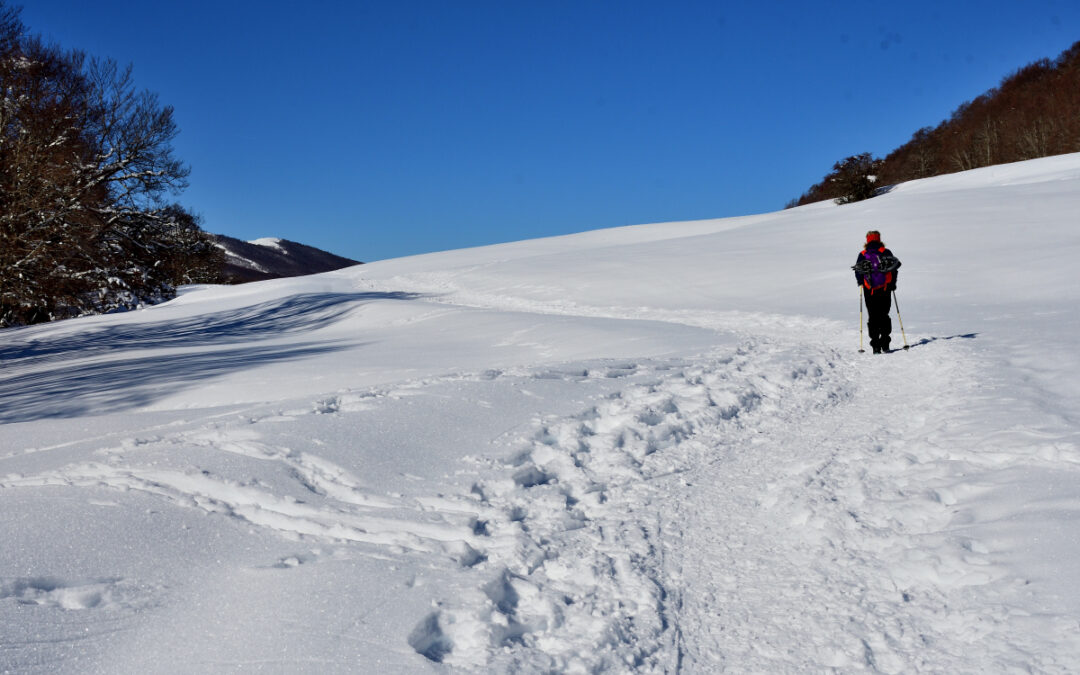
[926,341]
[68,389]
[257,322]
[113,386]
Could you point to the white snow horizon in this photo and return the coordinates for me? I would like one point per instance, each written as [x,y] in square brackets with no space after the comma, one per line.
[649,449]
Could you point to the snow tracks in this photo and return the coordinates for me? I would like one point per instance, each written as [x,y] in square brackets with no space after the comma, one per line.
[847,528]
[776,508]
[581,567]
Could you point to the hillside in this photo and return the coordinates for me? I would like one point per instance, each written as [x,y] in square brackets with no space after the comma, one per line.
[272,258]
[1031,114]
[651,448]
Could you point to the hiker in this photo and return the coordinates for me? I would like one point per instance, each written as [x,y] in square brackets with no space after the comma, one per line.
[876,272]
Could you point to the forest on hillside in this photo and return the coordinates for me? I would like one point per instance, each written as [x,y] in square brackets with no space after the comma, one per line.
[1034,112]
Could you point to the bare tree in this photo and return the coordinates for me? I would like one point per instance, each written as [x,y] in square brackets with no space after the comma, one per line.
[1034,113]
[86,163]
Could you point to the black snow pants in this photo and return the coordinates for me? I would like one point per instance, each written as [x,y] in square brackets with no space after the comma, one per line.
[879,325]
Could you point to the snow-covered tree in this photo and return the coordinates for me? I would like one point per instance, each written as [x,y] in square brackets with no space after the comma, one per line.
[855,178]
[86,162]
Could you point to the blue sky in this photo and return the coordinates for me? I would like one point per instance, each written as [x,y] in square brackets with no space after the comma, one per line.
[383,129]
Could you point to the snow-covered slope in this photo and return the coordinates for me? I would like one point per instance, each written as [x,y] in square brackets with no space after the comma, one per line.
[273,258]
[652,448]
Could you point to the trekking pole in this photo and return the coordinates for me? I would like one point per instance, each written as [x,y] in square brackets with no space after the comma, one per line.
[900,319]
[861,350]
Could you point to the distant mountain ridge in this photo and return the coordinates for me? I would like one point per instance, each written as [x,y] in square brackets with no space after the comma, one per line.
[272,258]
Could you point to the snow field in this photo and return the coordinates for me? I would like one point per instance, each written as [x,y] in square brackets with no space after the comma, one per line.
[650,449]
[611,534]
[856,557]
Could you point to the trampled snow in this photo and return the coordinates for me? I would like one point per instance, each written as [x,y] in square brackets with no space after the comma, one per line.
[651,449]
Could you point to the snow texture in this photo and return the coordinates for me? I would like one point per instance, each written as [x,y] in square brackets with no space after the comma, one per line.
[651,449]
[271,242]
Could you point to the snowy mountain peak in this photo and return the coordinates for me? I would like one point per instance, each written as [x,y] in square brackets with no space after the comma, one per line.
[272,258]
[272,242]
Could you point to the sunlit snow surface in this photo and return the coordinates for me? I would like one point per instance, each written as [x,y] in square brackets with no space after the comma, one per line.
[648,449]
[269,242]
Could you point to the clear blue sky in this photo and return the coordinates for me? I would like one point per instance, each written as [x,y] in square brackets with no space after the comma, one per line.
[377,129]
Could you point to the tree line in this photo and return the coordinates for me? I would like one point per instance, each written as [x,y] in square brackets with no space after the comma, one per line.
[1035,112]
[87,169]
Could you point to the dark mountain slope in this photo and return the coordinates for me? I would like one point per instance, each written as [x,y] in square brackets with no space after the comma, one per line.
[275,258]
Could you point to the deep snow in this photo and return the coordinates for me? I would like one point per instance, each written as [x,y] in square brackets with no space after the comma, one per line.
[651,448]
